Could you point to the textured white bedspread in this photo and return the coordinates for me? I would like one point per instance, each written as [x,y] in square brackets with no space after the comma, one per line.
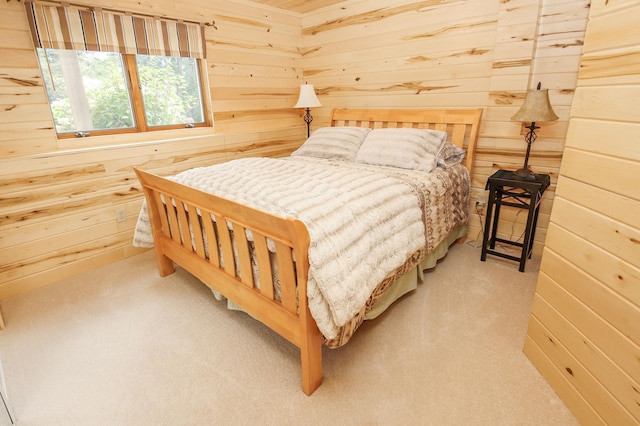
[363,223]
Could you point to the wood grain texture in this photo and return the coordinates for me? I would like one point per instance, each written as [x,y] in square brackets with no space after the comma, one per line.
[58,198]
[358,53]
[454,54]
[583,333]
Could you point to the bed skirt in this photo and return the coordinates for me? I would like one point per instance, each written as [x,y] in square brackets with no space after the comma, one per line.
[409,281]
[381,299]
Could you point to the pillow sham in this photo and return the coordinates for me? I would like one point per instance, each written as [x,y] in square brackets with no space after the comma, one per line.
[403,148]
[337,143]
[450,155]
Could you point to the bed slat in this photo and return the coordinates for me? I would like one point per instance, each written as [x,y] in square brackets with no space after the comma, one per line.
[173,222]
[286,270]
[212,239]
[264,262]
[440,126]
[163,217]
[197,232]
[183,222]
[244,257]
[226,247]
[457,134]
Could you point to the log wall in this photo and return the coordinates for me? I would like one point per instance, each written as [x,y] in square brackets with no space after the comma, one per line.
[455,54]
[59,199]
[584,330]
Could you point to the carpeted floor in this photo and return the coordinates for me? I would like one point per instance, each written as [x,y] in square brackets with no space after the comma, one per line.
[122,346]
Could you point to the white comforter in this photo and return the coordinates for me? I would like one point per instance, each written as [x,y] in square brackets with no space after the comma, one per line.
[363,224]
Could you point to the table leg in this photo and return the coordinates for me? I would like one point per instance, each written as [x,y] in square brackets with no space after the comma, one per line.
[487,224]
[497,201]
[528,237]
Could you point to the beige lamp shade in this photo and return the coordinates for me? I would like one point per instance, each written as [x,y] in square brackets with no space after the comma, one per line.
[536,107]
[308,98]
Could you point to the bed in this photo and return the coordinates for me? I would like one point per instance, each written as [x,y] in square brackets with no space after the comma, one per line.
[313,244]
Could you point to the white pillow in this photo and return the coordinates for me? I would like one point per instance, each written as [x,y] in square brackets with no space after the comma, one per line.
[337,143]
[404,148]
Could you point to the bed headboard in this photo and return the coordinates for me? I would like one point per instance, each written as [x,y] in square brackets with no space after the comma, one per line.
[460,124]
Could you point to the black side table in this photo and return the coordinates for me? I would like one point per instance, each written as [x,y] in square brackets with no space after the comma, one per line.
[507,189]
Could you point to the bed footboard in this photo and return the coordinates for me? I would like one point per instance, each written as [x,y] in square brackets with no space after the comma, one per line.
[216,239]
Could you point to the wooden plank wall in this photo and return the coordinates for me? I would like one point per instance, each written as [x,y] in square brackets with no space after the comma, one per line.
[454,54]
[58,199]
[584,333]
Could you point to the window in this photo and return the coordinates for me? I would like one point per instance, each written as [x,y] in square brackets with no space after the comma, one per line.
[111,72]
[171,92]
[94,93]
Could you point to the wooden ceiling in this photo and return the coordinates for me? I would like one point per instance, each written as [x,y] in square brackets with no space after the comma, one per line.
[300,6]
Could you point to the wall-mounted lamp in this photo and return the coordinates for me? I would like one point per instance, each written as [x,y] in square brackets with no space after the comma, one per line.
[307,99]
[536,107]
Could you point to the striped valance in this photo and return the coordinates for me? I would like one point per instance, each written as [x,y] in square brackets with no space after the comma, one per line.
[64,26]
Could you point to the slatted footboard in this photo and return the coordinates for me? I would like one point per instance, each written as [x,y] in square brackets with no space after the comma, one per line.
[215,239]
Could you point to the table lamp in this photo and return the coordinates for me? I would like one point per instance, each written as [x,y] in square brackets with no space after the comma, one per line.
[307,100]
[536,108]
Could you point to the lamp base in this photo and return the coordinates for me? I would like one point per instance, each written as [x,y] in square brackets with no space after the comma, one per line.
[525,174]
[308,118]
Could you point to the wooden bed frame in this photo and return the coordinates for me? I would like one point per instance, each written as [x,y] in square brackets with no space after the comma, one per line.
[288,315]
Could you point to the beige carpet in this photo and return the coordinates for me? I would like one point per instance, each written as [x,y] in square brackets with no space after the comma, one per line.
[122,346]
